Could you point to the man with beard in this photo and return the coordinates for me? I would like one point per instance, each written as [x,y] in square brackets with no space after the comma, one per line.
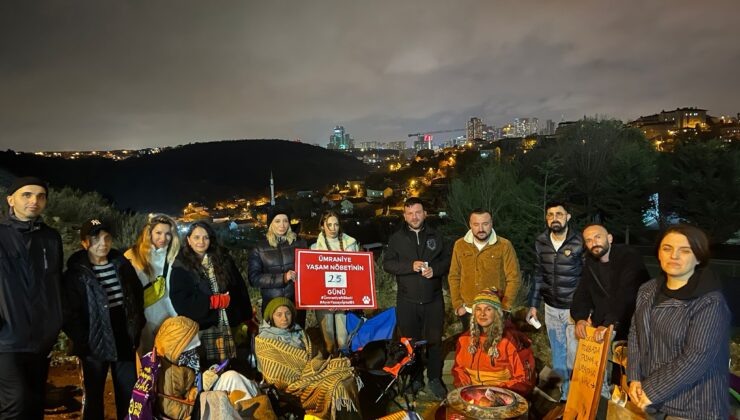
[607,292]
[480,260]
[30,272]
[419,259]
[559,260]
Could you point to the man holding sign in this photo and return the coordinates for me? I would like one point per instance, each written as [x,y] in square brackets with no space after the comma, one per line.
[607,292]
[418,257]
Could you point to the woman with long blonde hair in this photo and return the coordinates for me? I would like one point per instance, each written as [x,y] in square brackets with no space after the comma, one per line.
[272,262]
[152,257]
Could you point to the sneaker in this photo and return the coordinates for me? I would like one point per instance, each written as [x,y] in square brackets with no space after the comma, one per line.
[437,389]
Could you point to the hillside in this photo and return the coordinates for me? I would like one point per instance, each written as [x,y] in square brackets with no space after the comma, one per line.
[196,172]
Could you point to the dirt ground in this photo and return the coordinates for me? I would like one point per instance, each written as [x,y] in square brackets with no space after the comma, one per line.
[64,393]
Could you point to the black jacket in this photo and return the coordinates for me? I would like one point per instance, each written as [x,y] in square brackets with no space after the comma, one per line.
[30,275]
[190,292]
[86,314]
[610,299]
[406,246]
[267,265]
[556,273]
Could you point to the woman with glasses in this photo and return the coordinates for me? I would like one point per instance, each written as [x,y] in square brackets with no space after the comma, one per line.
[152,256]
[208,288]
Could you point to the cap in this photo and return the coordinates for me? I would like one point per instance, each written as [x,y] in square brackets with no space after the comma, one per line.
[92,227]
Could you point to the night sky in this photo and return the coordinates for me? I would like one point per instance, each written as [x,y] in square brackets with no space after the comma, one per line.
[132,74]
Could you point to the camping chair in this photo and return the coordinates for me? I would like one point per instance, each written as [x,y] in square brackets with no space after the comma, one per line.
[361,330]
[386,367]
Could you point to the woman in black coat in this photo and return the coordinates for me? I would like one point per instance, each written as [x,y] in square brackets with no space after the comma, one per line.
[206,286]
[271,263]
[103,316]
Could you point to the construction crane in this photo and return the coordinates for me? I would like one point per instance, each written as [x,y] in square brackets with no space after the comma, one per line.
[436,132]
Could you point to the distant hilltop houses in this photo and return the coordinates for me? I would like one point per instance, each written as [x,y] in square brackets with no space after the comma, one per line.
[107,154]
[664,128]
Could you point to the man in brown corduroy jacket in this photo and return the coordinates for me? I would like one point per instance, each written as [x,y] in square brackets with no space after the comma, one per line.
[482,259]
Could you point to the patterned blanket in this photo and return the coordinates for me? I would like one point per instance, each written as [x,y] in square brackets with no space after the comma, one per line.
[323,386]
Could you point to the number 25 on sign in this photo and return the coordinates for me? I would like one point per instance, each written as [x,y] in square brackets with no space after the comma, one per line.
[335,279]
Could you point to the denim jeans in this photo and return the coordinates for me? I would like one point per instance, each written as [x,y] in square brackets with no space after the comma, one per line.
[563,344]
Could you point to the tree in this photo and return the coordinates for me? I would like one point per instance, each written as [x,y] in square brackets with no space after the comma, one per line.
[700,184]
[612,172]
[513,201]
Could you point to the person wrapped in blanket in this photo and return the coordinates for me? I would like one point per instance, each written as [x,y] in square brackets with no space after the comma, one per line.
[177,345]
[325,388]
[486,355]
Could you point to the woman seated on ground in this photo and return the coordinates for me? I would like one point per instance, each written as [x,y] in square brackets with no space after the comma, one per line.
[177,345]
[484,355]
[679,337]
[208,288]
[333,322]
[325,388]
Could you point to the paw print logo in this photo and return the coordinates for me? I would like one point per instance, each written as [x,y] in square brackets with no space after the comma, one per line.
[366,300]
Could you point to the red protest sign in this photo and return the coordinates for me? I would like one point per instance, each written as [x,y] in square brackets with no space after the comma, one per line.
[334,280]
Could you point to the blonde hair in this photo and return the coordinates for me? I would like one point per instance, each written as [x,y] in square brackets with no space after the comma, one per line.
[141,251]
[492,332]
[274,239]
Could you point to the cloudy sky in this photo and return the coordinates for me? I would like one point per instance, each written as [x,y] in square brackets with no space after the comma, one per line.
[104,74]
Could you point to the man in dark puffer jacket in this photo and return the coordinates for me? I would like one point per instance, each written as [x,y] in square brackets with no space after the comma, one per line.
[104,316]
[30,307]
[559,253]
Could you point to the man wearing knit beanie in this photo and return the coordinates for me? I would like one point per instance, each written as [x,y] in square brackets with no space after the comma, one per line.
[30,273]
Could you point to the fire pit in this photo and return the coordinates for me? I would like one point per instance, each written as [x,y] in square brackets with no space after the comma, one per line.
[485,402]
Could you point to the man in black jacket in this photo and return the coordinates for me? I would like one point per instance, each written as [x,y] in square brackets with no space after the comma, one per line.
[607,293]
[30,307]
[559,253]
[419,258]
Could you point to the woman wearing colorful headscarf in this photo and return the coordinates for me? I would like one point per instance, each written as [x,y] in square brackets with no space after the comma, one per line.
[486,355]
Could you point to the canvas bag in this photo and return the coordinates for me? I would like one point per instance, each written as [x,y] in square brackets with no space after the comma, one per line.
[143,395]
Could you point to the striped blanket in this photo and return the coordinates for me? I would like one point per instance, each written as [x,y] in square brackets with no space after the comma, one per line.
[323,386]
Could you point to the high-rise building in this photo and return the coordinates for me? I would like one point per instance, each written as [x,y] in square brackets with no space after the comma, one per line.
[475,129]
[396,145]
[550,127]
[525,126]
[340,140]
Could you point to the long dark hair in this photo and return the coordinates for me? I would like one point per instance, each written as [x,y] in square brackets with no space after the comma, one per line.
[218,255]
[324,217]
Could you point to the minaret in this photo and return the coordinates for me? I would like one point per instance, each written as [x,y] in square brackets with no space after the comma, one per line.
[272,190]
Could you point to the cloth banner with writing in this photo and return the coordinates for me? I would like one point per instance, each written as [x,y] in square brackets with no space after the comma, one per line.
[142,397]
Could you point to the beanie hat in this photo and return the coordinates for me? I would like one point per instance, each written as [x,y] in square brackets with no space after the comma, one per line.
[27,180]
[276,303]
[275,211]
[488,296]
